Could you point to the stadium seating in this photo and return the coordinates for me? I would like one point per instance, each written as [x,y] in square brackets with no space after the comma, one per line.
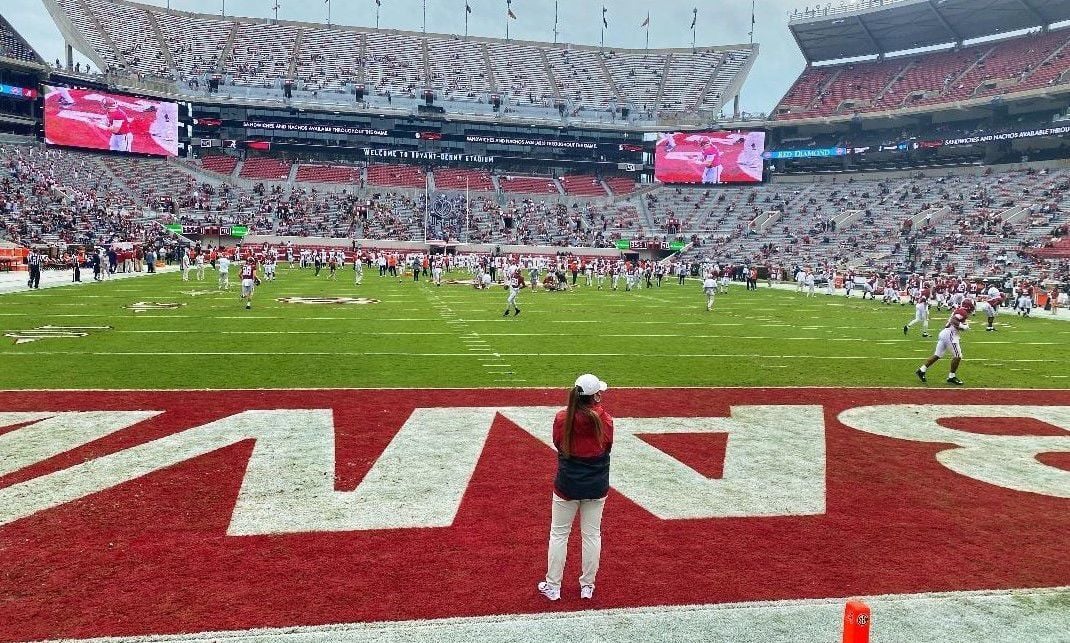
[987,223]
[347,174]
[459,179]
[251,53]
[265,169]
[397,176]
[528,185]
[13,46]
[987,69]
[581,185]
[621,185]
[221,164]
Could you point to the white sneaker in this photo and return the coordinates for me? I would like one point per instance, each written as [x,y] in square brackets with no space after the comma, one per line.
[587,591]
[551,592]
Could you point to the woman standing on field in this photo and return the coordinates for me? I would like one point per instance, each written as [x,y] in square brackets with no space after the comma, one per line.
[583,436]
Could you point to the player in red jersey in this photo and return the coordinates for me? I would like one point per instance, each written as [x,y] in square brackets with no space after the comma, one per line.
[248,281]
[948,340]
[711,163]
[118,124]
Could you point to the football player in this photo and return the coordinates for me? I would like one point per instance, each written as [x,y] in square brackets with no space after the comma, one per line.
[948,340]
[989,309]
[921,312]
[514,283]
[249,280]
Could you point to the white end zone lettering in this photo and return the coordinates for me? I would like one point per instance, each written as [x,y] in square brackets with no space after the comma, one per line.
[1007,461]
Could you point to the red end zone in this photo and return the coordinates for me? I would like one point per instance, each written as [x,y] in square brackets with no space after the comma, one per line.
[152,555]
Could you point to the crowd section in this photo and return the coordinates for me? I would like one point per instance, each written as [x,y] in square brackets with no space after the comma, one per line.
[958,224]
[990,223]
[1018,64]
[157,42]
[52,197]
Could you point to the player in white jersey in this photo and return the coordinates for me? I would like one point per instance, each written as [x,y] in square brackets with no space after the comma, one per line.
[269,268]
[921,312]
[810,281]
[358,270]
[436,273]
[514,282]
[223,265]
[709,286]
[248,281]
[183,264]
[199,262]
[990,308]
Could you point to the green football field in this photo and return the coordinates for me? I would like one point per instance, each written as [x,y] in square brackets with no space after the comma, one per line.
[415,335]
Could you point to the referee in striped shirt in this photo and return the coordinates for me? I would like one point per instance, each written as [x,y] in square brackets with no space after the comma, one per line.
[34,263]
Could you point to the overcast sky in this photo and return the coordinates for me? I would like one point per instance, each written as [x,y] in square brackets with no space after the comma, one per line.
[579,21]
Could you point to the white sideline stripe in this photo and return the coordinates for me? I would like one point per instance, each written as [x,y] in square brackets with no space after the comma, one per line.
[488,351]
[544,387]
[467,339]
[998,616]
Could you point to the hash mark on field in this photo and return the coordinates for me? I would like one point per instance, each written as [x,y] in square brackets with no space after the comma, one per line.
[476,345]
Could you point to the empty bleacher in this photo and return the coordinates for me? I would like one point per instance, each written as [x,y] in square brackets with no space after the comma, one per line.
[346,174]
[582,185]
[528,185]
[460,179]
[397,176]
[13,46]
[265,169]
[220,164]
[621,185]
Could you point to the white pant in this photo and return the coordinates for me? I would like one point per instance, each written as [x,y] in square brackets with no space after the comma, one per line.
[562,513]
[946,341]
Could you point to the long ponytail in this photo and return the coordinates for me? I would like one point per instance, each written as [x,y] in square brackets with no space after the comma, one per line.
[577,399]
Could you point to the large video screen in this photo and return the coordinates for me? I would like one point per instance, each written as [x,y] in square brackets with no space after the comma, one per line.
[709,157]
[98,120]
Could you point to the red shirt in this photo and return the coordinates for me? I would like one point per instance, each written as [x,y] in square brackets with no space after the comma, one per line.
[584,440]
[116,114]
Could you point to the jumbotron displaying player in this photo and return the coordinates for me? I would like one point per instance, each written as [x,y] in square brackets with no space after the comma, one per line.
[709,158]
[97,120]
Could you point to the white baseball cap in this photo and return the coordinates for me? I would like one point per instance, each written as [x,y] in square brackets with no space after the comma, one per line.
[589,384]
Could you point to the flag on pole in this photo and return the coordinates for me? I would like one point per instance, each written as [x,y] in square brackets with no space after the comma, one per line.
[646,23]
[468,8]
[378,3]
[605,22]
[694,19]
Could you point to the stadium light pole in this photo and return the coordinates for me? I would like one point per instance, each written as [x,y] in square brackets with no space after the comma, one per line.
[276,8]
[425,17]
[224,11]
[555,22]
[328,13]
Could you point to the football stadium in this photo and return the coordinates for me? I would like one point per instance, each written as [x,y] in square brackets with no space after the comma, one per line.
[325,324]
